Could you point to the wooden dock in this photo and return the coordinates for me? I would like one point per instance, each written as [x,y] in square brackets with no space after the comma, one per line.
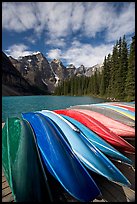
[6,191]
[111,192]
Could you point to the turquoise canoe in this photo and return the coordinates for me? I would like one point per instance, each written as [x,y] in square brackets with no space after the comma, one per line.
[89,155]
[60,159]
[97,141]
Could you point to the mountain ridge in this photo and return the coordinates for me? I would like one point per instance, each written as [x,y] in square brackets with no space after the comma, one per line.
[45,75]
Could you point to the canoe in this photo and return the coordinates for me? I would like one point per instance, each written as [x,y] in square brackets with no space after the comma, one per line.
[107,112]
[125,106]
[121,110]
[89,155]
[98,142]
[99,129]
[130,104]
[115,126]
[60,159]
[28,180]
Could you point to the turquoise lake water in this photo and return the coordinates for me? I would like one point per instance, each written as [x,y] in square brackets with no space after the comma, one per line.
[15,105]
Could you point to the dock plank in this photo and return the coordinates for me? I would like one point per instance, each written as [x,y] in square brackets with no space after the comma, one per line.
[5,184]
[7,198]
[6,191]
[3,179]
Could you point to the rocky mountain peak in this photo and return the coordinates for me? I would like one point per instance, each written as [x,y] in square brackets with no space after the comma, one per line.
[71,66]
[57,61]
[80,70]
[46,75]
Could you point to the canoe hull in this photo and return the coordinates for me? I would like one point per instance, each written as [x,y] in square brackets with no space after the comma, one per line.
[107,112]
[89,155]
[97,141]
[118,128]
[99,129]
[17,165]
[57,156]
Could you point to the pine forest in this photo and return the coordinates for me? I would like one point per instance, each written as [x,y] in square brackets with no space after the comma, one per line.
[115,81]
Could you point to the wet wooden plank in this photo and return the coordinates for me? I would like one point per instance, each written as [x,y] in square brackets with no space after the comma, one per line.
[7,198]
[3,179]
[5,184]
[6,191]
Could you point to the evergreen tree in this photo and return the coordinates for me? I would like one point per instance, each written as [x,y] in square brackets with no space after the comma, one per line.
[124,63]
[113,71]
[116,80]
[130,80]
[103,78]
[122,68]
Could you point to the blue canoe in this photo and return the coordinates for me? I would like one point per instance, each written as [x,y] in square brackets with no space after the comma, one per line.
[97,141]
[60,159]
[89,155]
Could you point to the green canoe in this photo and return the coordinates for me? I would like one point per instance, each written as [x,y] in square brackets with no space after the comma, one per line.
[22,164]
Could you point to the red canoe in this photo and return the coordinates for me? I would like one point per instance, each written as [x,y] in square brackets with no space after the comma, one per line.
[118,128]
[124,106]
[99,129]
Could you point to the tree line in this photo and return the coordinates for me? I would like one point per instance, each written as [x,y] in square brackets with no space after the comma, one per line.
[116,80]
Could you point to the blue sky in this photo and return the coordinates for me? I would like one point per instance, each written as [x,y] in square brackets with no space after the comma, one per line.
[74,32]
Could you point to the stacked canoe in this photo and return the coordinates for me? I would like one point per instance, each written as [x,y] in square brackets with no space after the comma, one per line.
[68,146]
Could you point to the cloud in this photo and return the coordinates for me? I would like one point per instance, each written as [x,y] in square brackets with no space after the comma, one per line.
[18,50]
[56,42]
[54,54]
[79,53]
[18,16]
[62,19]
[31,39]
[61,25]
[115,19]
[123,23]
[77,16]
[96,18]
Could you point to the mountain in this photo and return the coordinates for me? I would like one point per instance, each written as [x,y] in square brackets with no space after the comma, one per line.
[44,76]
[59,70]
[91,70]
[36,70]
[71,70]
[12,81]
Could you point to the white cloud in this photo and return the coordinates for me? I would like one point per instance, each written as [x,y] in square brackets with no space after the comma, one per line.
[77,16]
[80,53]
[18,50]
[61,19]
[54,54]
[18,16]
[123,23]
[56,42]
[96,18]
[103,16]
[77,54]
[31,39]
